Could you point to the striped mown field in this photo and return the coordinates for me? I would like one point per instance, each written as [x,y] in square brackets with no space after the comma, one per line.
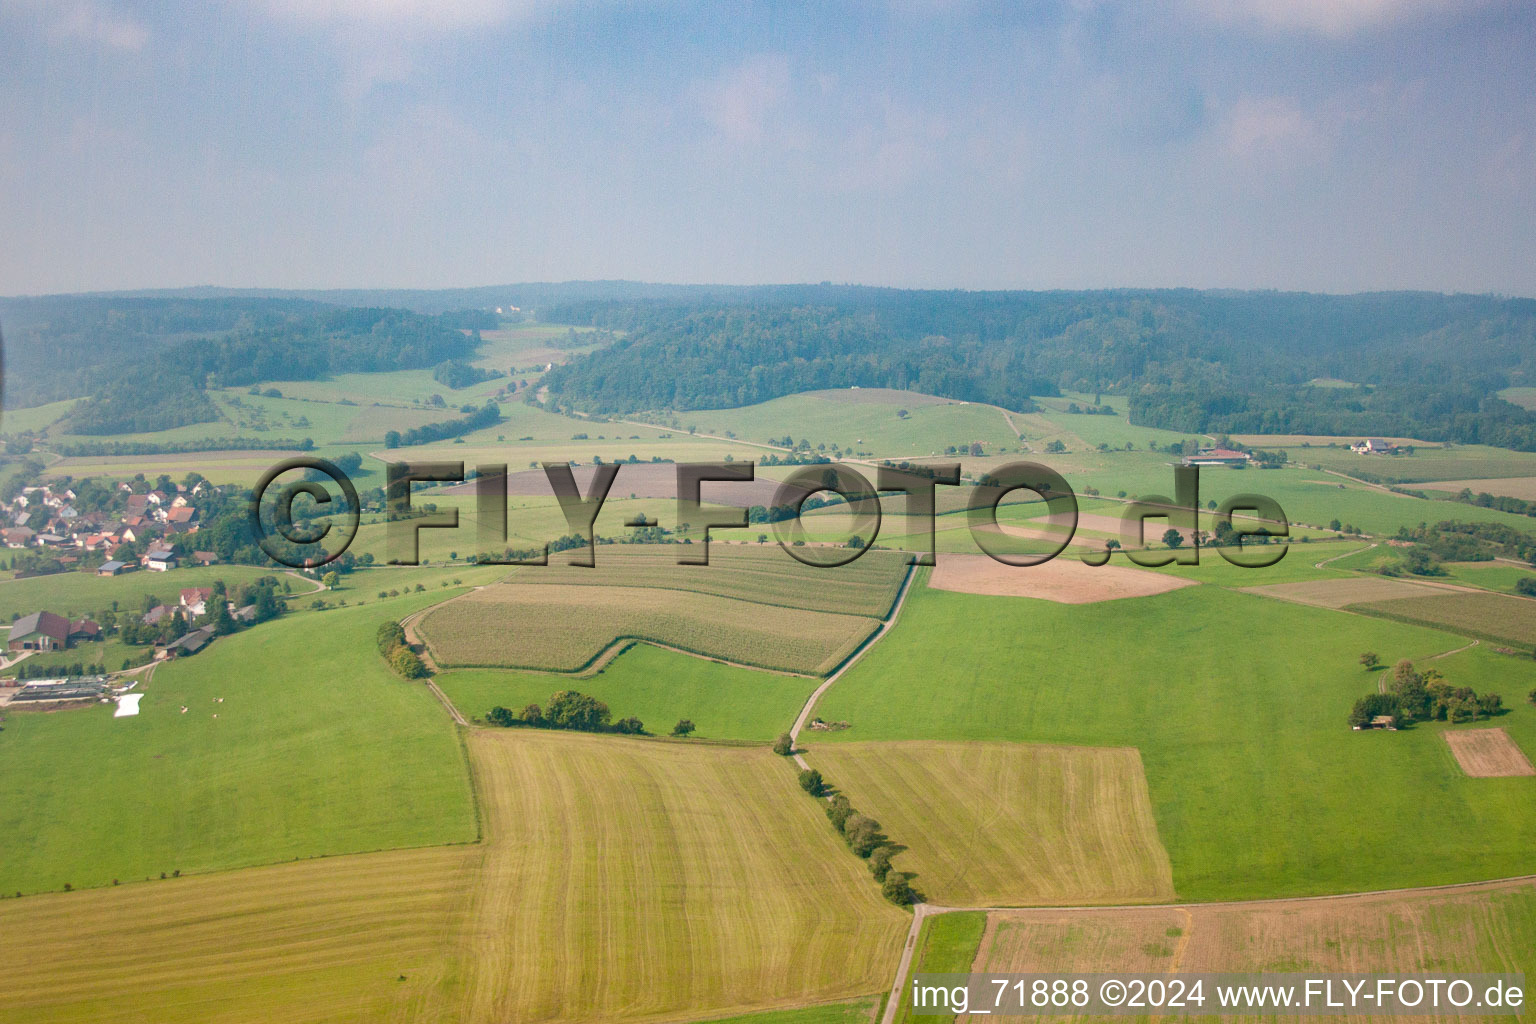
[563,628]
[645,880]
[348,939]
[1488,928]
[618,880]
[1005,824]
[766,575]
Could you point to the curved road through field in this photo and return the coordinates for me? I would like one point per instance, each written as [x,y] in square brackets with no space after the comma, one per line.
[885,626]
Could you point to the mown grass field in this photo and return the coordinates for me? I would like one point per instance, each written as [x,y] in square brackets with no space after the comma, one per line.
[946,944]
[1490,930]
[1454,462]
[316,749]
[1238,707]
[860,1011]
[862,420]
[356,940]
[657,686]
[1488,575]
[563,628]
[1496,616]
[1000,824]
[631,879]
[618,880]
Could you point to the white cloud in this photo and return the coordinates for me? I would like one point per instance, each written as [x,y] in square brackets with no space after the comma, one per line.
[1271,127]
[441,15]
[741,102]
[1328,17]
[83,21]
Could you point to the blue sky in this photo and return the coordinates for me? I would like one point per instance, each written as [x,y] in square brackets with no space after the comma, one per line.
[1332,145]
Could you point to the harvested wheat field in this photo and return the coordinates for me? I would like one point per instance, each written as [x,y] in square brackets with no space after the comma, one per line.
[1343,592]
[361,939]
[641,880]
[1523,487]
[1489,928]
[618,880]
[1064,580]
[1009,824]
[564,628]
[1488,753]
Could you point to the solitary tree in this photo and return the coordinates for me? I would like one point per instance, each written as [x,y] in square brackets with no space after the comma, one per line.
[1370,659]
[1173,538]
[784,745]
[682,728]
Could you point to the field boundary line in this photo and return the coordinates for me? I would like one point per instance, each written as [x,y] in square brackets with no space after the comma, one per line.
[925,910]
[852,659]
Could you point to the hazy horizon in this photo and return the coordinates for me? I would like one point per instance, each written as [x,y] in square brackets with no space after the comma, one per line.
[1337,147]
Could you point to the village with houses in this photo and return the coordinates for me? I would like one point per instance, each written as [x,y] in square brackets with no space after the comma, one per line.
[148,528]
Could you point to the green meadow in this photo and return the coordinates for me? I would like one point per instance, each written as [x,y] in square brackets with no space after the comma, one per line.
[79,594]
[297,742]
[658,686]
[862,420]
[1238,706]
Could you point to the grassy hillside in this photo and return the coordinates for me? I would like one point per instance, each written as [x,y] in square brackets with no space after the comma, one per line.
[1237,705]
[297,742]
[657,686]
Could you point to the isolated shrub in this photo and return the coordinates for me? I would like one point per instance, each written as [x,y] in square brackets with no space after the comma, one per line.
[880,863]
[784,746]
[897,889]
[682,728]
[863,835]
[812,782]
[390,636]
[571,710]
[1370,659]
[405,662]
[839,810]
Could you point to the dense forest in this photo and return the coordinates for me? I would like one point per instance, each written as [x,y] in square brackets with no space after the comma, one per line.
[1398,363]
[144,364]
[1401,363]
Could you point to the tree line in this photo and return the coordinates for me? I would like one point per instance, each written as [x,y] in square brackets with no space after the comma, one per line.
[861,832]
[488,415]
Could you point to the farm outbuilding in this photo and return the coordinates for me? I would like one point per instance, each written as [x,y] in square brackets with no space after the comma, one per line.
[39,631]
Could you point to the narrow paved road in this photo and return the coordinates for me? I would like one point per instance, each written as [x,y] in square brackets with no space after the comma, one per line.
[885,626]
